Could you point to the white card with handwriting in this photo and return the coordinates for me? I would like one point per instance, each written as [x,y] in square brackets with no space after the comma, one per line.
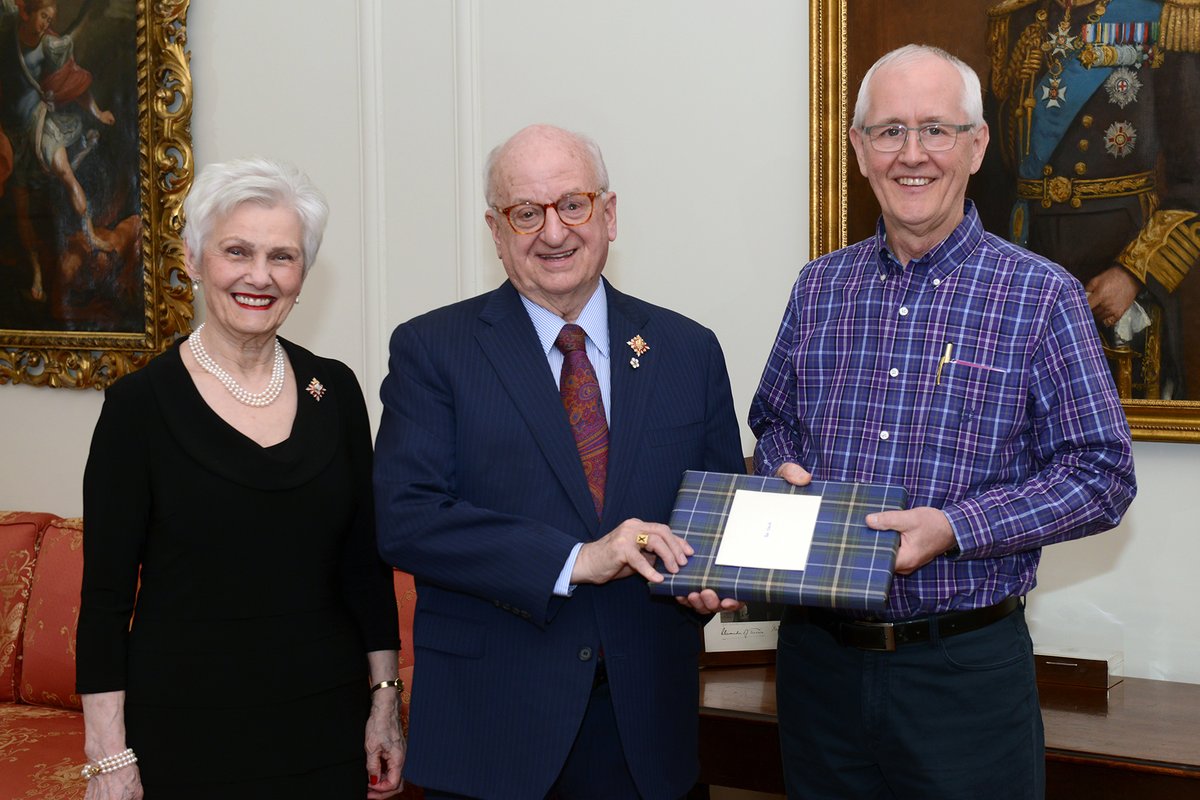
[768,530]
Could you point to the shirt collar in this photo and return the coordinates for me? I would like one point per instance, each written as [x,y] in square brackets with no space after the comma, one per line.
[944,258]
[593,319]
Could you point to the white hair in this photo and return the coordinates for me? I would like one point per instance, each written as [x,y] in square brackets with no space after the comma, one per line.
[220,188]
[972,94]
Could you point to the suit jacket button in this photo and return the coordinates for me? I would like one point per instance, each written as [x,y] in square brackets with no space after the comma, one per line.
[585,653]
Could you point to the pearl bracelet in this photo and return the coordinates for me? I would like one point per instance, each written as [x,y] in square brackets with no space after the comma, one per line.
[399,684]
[108,764]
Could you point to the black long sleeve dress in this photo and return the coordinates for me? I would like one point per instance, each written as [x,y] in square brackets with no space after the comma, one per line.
[261,589]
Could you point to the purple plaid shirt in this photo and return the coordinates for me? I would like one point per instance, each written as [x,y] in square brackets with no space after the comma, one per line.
[1021,439]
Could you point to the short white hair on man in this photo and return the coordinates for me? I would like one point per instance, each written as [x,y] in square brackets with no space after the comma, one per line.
[586,144]
[221,188]
[972,97]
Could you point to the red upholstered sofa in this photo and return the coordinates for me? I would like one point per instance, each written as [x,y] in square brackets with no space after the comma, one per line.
[41,725]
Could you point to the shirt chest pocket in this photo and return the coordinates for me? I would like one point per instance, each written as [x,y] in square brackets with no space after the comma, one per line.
[971,411]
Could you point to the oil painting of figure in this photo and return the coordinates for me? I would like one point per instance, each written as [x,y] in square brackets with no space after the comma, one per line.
[1093,107]
[70,221]
[1094,160]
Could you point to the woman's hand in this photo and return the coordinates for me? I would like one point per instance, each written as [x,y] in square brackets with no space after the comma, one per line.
[124,784]
[104,736]
[385,746]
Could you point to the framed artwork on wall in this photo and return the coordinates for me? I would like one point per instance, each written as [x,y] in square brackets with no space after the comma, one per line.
[1100,177]
[95,160]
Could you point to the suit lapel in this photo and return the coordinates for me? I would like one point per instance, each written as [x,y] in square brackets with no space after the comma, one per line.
[510,343]
[631,388]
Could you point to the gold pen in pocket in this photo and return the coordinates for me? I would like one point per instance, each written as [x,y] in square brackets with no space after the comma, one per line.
[943,361]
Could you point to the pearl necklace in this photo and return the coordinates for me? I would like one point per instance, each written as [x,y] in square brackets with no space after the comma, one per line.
[263,398]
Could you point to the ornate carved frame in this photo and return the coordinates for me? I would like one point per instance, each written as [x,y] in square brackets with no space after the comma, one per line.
[164,102]
[830,114]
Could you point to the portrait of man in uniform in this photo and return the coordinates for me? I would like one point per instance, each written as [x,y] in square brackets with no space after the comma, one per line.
[1094,109]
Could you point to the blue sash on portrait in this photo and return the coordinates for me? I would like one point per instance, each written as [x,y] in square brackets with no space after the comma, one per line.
[1121,24]
[1050,124]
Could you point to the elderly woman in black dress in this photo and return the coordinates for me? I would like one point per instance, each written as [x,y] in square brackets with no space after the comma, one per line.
[238,630]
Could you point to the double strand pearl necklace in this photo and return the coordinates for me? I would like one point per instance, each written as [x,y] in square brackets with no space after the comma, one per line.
[263,398]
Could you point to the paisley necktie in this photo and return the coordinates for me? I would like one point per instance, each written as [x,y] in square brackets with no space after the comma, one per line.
[580,393]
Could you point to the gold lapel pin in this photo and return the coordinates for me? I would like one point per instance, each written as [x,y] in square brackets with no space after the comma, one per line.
[639,347]
[316,389]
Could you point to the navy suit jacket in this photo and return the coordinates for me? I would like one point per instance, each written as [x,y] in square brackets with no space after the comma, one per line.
[481,496]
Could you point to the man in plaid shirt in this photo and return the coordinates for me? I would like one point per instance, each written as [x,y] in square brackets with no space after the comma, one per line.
[937,357]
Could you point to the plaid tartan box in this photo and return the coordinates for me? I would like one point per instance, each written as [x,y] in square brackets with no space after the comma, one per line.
[849,566]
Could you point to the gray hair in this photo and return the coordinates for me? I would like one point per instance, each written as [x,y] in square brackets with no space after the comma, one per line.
[584,142]
[220,188]
[972,96]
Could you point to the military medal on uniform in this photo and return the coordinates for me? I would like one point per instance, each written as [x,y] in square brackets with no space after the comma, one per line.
[1059,45]
[1096,45]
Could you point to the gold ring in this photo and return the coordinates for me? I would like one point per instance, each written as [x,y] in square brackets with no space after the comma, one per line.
[643,539]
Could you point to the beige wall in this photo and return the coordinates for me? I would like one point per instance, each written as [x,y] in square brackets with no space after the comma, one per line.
[391,106]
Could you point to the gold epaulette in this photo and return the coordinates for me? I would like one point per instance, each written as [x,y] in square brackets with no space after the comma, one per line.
[1007,7]
[1024,60]
[997,49]
[1166,249]
[1180,26]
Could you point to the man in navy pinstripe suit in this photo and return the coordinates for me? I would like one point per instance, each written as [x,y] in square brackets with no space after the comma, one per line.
[544,666]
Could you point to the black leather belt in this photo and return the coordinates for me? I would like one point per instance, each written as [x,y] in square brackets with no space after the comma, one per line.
[887,636]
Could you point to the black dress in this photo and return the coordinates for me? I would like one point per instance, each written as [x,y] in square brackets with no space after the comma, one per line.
[260,592]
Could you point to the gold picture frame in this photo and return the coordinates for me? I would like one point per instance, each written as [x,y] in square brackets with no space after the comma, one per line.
[843,42]
[113,296]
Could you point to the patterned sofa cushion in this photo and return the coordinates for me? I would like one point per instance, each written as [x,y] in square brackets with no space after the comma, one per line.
[18,540]
[41,752]
[41,745]
[48,674]
[406,605]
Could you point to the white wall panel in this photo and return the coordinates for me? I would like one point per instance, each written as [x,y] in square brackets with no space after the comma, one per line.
[700,108]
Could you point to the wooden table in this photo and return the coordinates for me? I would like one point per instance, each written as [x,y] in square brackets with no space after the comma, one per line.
[1141,741]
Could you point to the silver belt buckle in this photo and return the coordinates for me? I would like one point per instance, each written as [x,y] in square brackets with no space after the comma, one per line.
[889,637]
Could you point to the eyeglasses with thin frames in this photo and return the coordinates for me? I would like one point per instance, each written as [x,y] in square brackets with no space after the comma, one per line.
[891,137]
[573,209]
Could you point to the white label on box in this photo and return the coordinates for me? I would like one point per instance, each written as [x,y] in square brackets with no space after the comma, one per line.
[769,530]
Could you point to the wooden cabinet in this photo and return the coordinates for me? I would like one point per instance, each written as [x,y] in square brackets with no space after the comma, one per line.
[1140,739]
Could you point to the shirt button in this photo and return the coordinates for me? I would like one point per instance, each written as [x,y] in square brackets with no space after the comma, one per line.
[937,281]
[585,654]
[904,311]
[884,435]
[893,372]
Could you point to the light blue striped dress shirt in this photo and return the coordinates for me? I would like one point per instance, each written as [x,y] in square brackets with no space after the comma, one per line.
[594,321]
